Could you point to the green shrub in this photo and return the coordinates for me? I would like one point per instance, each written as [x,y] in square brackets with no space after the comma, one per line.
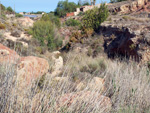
[52,18]
[19,15]
[72,22]
[93,18]
[44,31]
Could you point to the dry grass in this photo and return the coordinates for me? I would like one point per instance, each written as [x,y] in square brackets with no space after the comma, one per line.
[2,26]
[127,85]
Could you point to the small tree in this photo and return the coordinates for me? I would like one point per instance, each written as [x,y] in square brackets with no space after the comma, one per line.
[93,18]
[94,1]
[45,29]
[9,9]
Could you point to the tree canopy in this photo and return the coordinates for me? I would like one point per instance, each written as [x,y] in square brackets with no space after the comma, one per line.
[9,9]
[64,7]
[114,1]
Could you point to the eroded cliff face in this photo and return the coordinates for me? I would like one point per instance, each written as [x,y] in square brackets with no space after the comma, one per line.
[127,36]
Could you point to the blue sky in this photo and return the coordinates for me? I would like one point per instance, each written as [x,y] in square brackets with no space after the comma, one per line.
[36,5]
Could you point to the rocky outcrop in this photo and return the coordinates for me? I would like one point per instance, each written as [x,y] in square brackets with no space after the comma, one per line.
[124,7]
[20,38]
[31,68]
[90,99]
[25,21]
[8,56]
[129,6]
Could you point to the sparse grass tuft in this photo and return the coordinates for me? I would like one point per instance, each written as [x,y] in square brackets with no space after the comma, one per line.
[2,26]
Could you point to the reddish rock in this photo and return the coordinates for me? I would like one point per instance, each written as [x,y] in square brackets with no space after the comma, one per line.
[8,55]
[30,68]
[90,99]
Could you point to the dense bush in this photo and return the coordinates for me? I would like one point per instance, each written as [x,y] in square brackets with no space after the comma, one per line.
[72,22]
[93,18]
[44,31]
[64,7]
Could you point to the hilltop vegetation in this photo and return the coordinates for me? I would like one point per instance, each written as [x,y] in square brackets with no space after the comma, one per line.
[6,9]
[64,7]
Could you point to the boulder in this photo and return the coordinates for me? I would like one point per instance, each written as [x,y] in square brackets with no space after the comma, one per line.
[7,55]
[91,101]
[30,68]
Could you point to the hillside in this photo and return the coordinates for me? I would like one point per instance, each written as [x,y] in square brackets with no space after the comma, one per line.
[70,65]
